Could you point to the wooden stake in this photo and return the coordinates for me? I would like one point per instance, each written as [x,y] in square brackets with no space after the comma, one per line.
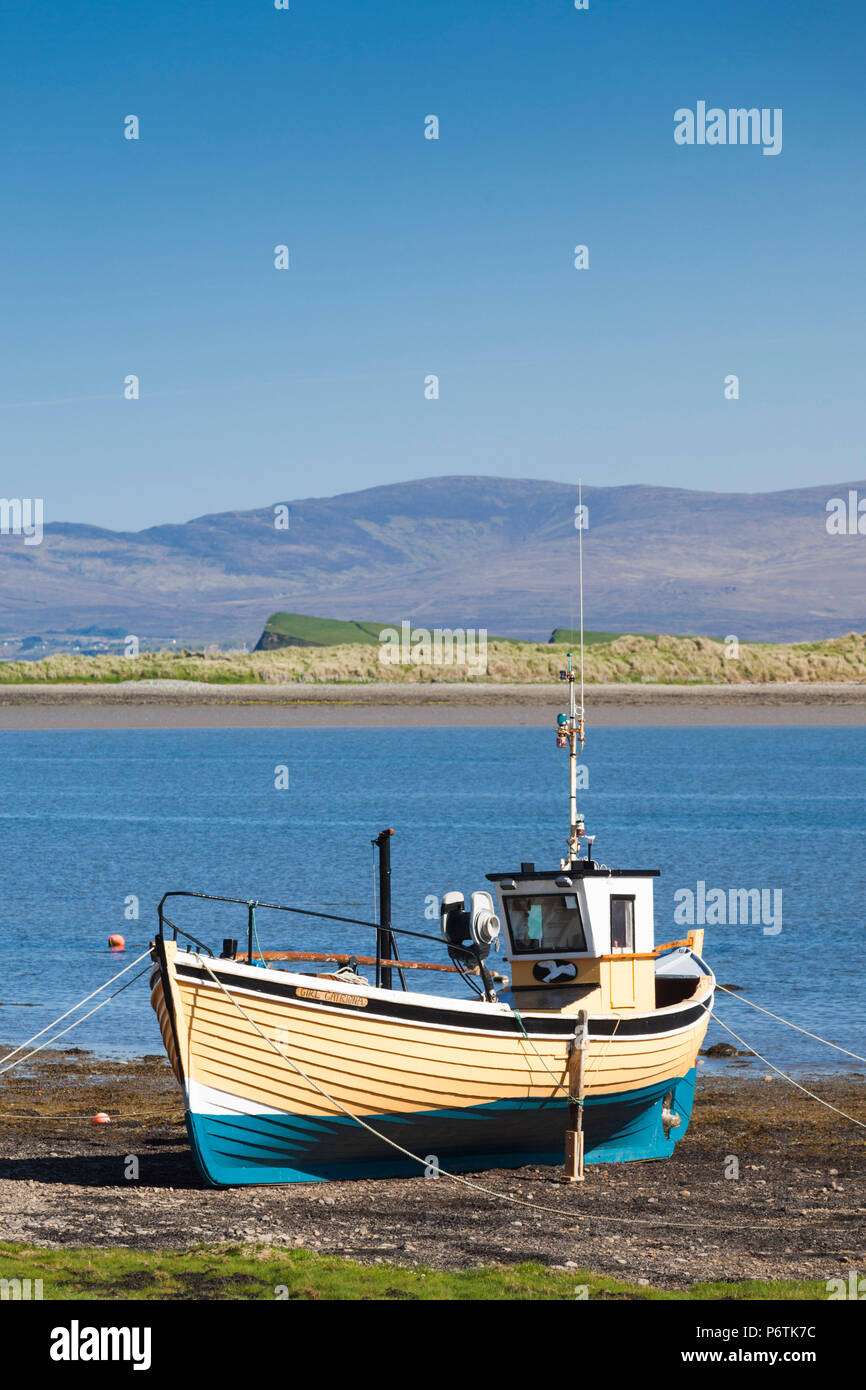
[577,1088]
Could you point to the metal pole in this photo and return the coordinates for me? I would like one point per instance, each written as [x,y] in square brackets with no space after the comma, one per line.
[572,765]
[575,717]
[384,939]
[580,583]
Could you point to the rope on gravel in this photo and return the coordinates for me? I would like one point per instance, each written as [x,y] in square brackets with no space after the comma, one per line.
[84,1119]
[789,1024]
[786,1077]
[455,1177]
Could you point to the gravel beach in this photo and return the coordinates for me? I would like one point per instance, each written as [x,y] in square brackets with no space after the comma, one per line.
[796,1210]
[176,704]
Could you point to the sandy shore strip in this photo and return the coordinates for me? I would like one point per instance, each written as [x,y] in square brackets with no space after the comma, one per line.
[168,704]
[797,1208]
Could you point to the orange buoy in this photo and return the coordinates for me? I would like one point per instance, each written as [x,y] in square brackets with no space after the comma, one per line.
[116,941]
[100,1118]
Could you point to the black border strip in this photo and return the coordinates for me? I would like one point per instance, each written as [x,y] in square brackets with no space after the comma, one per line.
[557,1025]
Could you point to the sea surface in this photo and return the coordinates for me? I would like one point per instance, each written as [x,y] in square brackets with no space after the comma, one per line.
[93,824]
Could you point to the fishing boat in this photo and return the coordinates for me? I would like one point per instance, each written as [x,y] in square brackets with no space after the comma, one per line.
[296,1067]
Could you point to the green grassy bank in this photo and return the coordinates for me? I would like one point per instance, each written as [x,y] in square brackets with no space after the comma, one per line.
[265,1273]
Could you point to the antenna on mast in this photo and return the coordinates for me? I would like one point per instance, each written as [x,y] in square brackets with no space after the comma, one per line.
[570,727]
[580,585]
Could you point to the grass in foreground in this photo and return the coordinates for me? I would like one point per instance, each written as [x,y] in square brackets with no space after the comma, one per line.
[265,1273]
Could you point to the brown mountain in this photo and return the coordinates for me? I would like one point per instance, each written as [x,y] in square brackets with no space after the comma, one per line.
[498,553]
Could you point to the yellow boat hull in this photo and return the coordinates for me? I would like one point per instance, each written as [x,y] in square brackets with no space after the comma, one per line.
[289,1077]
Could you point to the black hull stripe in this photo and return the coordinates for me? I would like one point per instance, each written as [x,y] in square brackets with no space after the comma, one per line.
[555,1026]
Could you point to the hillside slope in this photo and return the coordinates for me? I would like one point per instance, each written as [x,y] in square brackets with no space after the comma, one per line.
[459,552]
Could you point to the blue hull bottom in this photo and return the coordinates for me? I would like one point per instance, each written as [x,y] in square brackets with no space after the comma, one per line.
[242,1149]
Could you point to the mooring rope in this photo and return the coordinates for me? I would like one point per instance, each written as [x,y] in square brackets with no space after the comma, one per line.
[559,1086]
[101,1005]
[602,1055]
[85,1000]
[784,1074]
[573,1100]
[455,1177]
[743,1000]
[332,1100]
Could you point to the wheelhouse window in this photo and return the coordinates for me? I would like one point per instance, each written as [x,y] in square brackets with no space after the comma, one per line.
[549,923]
[621,924]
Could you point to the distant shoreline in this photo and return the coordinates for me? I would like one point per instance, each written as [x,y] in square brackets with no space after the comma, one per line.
[174,704]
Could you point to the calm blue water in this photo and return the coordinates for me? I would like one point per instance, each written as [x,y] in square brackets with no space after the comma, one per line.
[87,819]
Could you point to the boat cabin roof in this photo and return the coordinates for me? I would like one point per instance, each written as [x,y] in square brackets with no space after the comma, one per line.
[585,911]
[578,868]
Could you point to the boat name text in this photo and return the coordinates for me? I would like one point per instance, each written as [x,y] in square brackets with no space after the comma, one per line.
[358,1001]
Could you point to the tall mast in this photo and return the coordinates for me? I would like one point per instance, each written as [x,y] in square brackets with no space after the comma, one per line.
[570,728]
[580,586]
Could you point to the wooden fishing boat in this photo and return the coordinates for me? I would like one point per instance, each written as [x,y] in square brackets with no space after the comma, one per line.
[589,1053]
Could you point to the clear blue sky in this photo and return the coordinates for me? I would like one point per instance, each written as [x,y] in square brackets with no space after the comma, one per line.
[412,256]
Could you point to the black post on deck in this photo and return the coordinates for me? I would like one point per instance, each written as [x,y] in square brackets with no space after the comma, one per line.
[384,939]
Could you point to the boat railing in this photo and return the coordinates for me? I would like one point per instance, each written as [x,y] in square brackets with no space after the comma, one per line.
[386,957]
